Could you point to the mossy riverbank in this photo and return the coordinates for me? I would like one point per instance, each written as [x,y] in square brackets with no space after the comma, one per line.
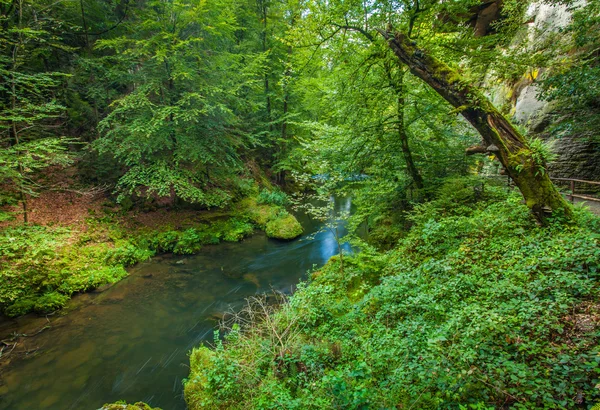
[41,267]
[125,406]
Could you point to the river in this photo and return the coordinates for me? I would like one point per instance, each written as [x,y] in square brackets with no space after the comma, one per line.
[131,341]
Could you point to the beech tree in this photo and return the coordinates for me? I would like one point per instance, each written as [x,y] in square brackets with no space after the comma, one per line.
[178,126]
[29,110]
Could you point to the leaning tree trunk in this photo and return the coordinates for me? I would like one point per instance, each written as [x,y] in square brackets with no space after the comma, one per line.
[511,148]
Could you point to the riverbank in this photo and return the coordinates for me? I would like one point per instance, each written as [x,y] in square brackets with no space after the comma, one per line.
[42,265]
[131,341]
[477,306]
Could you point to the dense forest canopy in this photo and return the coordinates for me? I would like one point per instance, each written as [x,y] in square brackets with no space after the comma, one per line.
[174,99]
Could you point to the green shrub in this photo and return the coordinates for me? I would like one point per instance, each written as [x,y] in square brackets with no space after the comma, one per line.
[235,230]
[21,306]
[127,254]
[50,302]
[188,242]
[246,187]
[274,197]
[164,242]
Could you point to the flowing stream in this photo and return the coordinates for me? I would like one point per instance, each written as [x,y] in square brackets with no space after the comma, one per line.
[131,341]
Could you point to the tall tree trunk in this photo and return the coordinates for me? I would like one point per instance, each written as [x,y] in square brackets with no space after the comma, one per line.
[398,86]
[263,6]
[406,152]
[85,28]
[511,148]
[284,120]
[14,130]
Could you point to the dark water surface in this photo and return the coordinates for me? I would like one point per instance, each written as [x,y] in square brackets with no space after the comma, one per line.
[131,341]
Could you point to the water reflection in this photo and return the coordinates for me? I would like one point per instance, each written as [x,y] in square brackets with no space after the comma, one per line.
[131,341]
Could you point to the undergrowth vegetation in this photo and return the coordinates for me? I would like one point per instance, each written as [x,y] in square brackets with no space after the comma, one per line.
[273,197]
[476,307]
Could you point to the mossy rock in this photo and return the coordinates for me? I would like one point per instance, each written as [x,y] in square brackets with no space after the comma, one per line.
[262,214]
[258,214]
[284,227]
[121,405]
[197,388]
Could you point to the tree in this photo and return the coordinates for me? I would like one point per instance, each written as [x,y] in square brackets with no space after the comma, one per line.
[179,126]
[28,106]
[440,25]
[524,166]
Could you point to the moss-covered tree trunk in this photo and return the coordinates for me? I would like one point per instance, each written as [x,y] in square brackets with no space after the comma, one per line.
[511,148]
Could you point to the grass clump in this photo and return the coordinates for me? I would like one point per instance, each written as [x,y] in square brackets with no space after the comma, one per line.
[476,307]
[273,197]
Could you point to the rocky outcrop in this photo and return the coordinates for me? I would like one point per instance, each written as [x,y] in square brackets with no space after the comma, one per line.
[544,20]
[577,157]
[273,219]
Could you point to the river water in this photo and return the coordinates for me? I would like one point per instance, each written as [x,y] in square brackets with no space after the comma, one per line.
[131,341]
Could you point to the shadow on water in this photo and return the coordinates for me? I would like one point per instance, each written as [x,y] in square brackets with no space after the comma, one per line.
[131,341]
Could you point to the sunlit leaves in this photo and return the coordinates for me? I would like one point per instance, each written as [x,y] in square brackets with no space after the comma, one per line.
[178,130]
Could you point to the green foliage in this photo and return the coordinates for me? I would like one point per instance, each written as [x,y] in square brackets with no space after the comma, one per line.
[50,302]
[235,230]
[179,130]
[246,187]
[273,197]
[39,269]
[542,153]
[28,104]
[122,405]
[259,215]
[476,307]
[126,254]
[272,218]
[231,230]
[192,240]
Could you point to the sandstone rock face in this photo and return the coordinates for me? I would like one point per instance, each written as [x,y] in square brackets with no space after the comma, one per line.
[577,158]
[544,19]
[528,108]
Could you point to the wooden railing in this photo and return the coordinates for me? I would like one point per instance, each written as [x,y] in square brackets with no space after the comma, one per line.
[573,195]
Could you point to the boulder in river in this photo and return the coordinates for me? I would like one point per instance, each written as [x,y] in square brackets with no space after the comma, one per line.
[284,227]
